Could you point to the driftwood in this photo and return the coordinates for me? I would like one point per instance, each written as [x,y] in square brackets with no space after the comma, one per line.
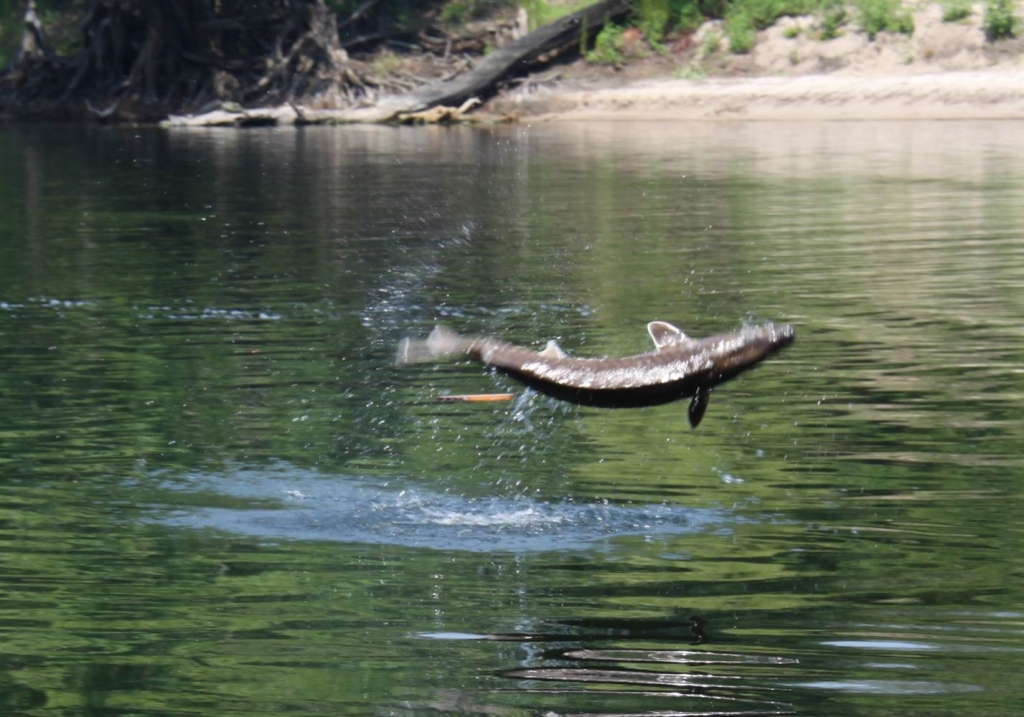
[439,114]
[295,115]
[256,117]
[534,48]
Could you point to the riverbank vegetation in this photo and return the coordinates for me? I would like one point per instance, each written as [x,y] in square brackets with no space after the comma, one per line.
[142,59]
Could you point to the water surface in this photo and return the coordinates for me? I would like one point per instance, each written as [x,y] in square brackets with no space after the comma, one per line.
[218,496]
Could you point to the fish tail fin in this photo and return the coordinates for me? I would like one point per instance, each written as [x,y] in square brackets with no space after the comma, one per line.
[441,344]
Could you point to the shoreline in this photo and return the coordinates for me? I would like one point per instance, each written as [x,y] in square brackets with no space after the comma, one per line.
[951,95]
[991,94]
[942,71]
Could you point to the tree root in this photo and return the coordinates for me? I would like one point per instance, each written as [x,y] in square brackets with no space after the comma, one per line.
[146,58]
[160,56]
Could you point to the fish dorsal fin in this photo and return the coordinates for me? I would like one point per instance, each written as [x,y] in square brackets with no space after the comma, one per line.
[665,334]
[552,350]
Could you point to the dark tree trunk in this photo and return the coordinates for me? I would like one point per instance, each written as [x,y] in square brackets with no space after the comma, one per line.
[548,40]
[517,58]
[33,46]
[33,57]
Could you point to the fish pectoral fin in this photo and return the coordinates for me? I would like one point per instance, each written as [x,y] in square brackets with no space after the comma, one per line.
[698,406]
[552,350]
[665,334]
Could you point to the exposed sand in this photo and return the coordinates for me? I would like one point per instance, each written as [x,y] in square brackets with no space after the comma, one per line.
[943,71]
[950,95]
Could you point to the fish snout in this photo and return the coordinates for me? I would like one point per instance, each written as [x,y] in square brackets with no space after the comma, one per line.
[780,335]
[753,345]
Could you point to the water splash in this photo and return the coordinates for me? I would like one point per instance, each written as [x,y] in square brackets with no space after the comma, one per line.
[292,504]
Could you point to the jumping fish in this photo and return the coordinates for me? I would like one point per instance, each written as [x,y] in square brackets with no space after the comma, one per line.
[679,367]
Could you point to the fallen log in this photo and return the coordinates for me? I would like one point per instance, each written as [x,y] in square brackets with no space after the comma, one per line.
[537,46]
[439,114]
[553,37]
[231,117]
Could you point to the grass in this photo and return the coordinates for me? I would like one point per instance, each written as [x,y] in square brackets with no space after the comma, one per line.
[386,63]
[884,15]
[833,17]
[687,17]
[692,71]
[540,13]
[652,17]
[999,21]
[455,13]
[607,46]
[744,18]
[739,28]
[956,10]
[459,12]
[711,44]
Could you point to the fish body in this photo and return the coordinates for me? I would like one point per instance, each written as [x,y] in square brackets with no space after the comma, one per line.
[679,367]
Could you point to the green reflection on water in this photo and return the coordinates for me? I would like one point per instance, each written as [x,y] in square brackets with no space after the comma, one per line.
[178,308]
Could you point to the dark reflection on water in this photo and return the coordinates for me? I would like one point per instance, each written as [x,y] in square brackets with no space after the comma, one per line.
[218,496]
[670,679]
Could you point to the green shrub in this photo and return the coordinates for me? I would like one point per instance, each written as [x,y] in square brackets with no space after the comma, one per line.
[687,15]
[792,32]
[540,13]
[688,18]
[686,10]
[712,8]
[693,71]
[607,46]
[880,15]
[456,12]
[903,22]
[739,28]
[999,21]
[385,63]
[652,18]
[765,13]
[833,17]
[711,44]
[956,10]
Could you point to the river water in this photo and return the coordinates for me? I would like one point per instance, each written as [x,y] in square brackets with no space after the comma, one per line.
[218,496]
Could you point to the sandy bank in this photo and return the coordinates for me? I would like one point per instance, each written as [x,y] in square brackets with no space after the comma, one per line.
[993,94]
[944,70]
